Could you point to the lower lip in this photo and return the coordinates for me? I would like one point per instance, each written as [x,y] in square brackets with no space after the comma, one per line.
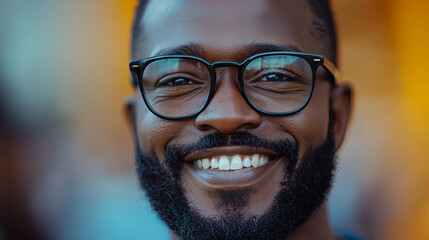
[242,178]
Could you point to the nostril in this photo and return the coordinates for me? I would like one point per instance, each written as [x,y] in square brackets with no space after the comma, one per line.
[204,127]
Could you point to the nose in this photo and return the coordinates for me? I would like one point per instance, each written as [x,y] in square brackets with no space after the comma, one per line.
[228,111]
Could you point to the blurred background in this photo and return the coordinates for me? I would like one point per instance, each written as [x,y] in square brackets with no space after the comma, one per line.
[66,153]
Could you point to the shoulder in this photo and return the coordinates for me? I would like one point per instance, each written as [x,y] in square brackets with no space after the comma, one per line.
[349,237]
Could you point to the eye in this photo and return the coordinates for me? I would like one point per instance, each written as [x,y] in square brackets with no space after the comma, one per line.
[178,81]
[276,77]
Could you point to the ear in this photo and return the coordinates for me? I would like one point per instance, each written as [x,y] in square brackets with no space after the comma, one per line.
[129,109]
[341,97]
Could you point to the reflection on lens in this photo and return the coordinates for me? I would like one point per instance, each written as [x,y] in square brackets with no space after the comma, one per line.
[278,83]
[176,87]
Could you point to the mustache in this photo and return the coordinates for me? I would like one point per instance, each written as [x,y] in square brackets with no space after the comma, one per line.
[287,147]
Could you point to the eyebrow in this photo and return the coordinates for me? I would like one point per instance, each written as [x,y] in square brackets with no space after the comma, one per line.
[191,49]
[197,49]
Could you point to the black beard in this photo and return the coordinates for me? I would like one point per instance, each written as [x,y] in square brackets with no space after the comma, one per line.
[307,186]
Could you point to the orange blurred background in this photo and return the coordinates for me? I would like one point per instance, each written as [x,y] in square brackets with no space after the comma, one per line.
[67,164]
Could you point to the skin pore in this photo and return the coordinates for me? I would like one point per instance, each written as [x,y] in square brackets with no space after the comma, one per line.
[233,31]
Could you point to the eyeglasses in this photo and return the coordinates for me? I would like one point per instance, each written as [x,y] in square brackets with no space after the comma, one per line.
[273,83]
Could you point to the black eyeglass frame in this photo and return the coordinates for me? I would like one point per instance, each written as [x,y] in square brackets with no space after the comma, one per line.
[315,61]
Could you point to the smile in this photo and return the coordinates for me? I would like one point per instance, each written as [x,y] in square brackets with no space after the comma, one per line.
[232,162]
[232,167]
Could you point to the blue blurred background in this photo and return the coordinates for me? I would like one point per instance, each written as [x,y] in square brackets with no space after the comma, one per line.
[67,164]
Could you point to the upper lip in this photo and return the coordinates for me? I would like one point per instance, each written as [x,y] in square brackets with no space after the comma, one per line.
[229,150]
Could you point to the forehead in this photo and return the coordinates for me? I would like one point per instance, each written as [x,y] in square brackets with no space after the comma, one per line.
[225,25]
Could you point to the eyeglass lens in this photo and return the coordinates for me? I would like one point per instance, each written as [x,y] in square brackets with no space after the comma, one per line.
[278,83]
[176,87]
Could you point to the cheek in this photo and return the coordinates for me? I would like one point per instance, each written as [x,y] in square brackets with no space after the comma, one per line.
[153,132]
[310,126]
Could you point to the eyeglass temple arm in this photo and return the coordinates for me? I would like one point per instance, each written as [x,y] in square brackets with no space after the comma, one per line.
[330,66]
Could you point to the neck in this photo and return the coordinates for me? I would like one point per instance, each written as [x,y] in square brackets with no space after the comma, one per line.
[316,227]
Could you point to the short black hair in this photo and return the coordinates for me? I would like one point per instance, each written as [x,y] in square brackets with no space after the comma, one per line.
[323,24]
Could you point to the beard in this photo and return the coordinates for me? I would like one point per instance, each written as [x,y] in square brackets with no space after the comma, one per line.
[305,186]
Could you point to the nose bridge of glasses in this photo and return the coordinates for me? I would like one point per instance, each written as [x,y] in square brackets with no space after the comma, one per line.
[225,64]
[225,72]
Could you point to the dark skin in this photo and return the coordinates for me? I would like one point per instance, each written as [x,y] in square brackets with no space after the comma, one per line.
[233,34]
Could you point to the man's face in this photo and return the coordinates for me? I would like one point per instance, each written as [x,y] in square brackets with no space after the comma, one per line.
[234,31]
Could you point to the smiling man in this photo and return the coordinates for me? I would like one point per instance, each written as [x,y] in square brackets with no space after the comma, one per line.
[237,115]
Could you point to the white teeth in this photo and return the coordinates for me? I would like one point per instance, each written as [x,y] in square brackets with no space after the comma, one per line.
[263,160]
[247,162]
[236,163]
[224,163]
[255,160]
[215,163]
[206,163]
